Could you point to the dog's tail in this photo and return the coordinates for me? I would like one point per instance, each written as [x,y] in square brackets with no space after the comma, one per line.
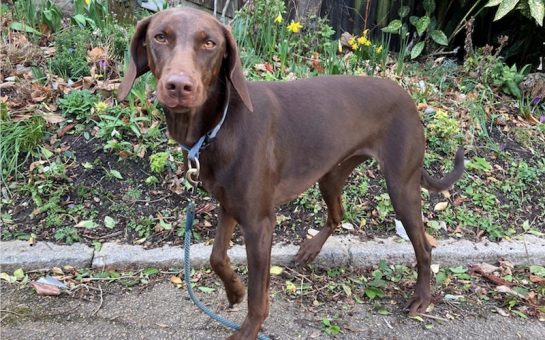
[446,182]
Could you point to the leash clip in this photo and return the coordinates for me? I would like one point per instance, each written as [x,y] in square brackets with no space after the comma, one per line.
[192,174]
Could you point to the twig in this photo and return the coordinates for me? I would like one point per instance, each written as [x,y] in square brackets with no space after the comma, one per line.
[8,311]
[297,274]
[388,324]
[101,300]
[434,317]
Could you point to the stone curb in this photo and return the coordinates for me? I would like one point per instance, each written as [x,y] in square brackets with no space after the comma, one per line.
[337,251]
[43,255]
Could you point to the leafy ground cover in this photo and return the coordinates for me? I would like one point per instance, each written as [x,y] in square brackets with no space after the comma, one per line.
[77,166]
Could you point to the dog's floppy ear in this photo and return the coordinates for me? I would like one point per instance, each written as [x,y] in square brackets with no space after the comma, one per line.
[234,69]
[138,64]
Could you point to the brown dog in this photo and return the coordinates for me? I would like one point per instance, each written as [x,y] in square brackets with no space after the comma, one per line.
[278,139]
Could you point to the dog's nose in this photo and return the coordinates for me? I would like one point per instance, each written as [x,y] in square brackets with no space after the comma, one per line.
[179,85]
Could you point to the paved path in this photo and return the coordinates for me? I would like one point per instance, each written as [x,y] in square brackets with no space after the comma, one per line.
[164,312]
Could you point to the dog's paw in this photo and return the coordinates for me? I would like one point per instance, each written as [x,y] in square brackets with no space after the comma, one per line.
[235,291]
[418,304]
[307,252]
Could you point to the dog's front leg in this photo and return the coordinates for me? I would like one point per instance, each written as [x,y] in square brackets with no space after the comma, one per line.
[220,261]
[258,239]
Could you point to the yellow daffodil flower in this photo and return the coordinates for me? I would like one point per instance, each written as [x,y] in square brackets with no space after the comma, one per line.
[295,26]
[278,19]
[364,41]
[353,44]
[378,50]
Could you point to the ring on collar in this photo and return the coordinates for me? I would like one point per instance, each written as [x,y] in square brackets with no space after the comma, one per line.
[192,174]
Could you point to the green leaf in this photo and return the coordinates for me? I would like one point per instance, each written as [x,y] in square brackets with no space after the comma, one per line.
[537,10]
[416,317]
[373,292]
[417,49]
[150,271]
[206,290]
[537,270]
[505,7]
[383,311]
[116,174]
[441,277]
[165,225]
[19,274]
[151,180]
[17,26]
[393,26]
[46,153]
[439,37]
[429,6]
[403,11]
[422,25]
[458,270]
[109,222]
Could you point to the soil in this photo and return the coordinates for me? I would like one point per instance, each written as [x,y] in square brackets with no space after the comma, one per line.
[130,201]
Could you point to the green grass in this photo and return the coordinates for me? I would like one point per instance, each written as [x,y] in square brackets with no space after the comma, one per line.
[19,140]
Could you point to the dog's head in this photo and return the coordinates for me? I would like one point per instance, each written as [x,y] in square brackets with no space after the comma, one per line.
[187,50]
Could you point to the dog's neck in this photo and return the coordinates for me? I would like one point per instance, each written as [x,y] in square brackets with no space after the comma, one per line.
[186,128]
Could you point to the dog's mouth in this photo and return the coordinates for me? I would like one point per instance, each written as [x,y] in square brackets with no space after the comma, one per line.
[176,104]
[178,101]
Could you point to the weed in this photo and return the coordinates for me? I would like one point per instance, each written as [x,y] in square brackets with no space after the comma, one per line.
[509,78]
[329,327]
[70,59]
[143,226]
[384,206]
[68,235]
[133,194]
[444,133]
[158,161]
[78,103]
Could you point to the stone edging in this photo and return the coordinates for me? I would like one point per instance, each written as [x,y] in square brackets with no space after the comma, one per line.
[338,250]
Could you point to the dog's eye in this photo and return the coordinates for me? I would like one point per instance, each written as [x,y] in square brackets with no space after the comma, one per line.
[209,44]
[160,38]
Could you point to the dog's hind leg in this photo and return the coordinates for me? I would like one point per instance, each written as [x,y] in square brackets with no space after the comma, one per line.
[404,191]
[331,185]
[220,261]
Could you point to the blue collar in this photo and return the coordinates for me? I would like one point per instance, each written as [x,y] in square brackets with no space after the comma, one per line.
[193,152]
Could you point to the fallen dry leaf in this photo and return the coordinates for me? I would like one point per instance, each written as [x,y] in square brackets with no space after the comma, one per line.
[53,118]
[440,206]
[536,279]
[431,240]
[44,289]
[508,290]
[491,277]
[176,280]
